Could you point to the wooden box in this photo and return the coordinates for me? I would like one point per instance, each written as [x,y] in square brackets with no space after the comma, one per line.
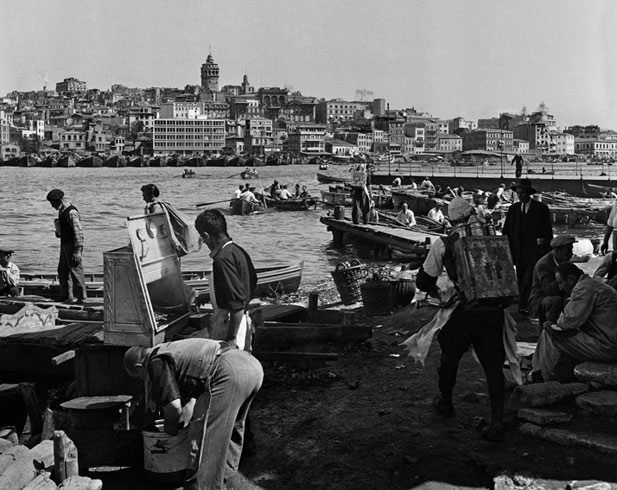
[145,300]
[484,267]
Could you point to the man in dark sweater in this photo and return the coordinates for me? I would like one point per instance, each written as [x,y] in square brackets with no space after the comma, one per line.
[232,282]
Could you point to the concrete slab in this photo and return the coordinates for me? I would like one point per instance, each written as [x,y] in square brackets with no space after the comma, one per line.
[604,374]
[596,442]
[543,417]
[542,394]
[603,403]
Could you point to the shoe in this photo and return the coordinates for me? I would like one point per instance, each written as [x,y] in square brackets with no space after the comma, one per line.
[493,433]
[443,407]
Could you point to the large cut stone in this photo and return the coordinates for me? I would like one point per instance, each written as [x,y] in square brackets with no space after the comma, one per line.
[541,416]
[595,442]
[603,403]
[541,394]
[602,373]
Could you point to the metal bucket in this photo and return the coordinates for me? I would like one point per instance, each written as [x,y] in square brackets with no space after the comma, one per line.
[339,212]
[165,454]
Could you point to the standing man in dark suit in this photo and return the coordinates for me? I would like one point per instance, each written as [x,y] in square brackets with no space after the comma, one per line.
[529,231]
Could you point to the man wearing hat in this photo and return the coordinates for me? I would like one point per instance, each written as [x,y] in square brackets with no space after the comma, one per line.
[529,231]
[585,331]
[69,230]
[546,298]
[9,274]
[478,325]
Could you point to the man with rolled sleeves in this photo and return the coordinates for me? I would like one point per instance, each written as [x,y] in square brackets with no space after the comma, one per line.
[546,298]
[70,232]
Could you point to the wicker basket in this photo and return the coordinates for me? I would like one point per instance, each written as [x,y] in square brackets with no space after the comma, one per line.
[404,291]
[347,278]
[377,296]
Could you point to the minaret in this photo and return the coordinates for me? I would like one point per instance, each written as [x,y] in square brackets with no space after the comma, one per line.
[210,75]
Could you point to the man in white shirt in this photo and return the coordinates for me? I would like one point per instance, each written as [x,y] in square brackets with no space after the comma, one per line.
[435,213]
[238,192]
[9,274]
[611,224]
[249,195]
[406,216]
[285,194]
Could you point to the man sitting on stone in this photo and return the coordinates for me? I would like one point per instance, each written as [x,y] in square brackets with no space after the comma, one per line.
[546,299]
[585,331]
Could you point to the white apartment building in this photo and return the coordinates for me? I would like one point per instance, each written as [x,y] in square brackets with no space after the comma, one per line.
[188,135]
[309,138]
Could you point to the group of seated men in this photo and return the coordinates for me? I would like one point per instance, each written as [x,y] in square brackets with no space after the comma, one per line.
[280,191]
[576,312]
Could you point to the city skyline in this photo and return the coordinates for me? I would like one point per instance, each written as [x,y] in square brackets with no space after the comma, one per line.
[474,59]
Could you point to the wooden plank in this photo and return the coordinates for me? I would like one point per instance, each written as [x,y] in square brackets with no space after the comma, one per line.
[65,356]
[274,333]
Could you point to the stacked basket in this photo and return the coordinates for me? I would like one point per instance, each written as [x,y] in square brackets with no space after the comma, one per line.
[348,276]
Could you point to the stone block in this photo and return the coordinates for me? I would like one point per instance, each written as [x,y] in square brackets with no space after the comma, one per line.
[595,442]
[541,394]
[601,373]
[543,417]
[602,403]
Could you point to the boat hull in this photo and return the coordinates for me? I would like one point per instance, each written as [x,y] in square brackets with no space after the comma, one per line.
[240,207]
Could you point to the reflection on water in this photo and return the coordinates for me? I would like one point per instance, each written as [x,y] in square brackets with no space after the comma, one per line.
[106,196]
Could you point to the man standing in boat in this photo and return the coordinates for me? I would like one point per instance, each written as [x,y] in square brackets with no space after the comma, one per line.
[529,231]
[360,195]
[70,232]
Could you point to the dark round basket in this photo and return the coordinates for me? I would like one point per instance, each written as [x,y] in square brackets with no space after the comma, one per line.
[404,292]
[347,279]
[377,297]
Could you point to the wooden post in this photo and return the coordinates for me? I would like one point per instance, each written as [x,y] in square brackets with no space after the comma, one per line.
[65,457]
[32,407]
[313,304]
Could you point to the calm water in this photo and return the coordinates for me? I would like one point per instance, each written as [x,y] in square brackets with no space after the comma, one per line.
[106,196]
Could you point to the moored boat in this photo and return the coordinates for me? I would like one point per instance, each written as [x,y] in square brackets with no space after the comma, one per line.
[417,201]
[90,162]
[115,161]
[331,179]
[66,161]
[137,161]
[272,280]
[195,161]
[28,161]
[158,162]
[249,174]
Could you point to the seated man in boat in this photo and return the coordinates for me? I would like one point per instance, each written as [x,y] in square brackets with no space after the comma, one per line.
[285,194]
[219,383]
[396,182]
[546,299]
[9,274]
[427,185]
[436,214]
[274,189]
[238,192]
[249,195]
[305,194]
[406,216]
[585,330]
[608,269]
[297,191]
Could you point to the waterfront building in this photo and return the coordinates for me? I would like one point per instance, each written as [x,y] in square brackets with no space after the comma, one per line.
[244,107]
[340,148]
[258,135]
[4,128]
[71,86]
[596,148]
[299,109]
[145,115]
[73,140]
[520,147]
[9,150]
[188,135]
[364,141]
[235,143]
[536,131]
[449,143]
[307,139]
[497,140]
[562,143]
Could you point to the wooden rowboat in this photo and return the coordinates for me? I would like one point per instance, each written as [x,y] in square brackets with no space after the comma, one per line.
[300,204]
[272,281]
[240,207]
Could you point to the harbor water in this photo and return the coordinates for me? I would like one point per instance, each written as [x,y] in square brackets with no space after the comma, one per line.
[106,196]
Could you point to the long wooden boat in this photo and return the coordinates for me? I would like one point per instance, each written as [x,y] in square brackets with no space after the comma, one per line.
[218,161]
[195,161]
[11,162]
[66,161]
[417,201]
[28,161]
[272,280]
[240,207]
[336,198]
[138,162]
[331,179]
[249,174]
[48,162]
[158,162]
[90,161]
[115,161]
[299,204]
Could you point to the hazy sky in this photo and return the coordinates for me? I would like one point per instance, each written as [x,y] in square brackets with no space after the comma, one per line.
[447,57]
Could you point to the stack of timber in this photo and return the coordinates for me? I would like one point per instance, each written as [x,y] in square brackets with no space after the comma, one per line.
[44,467]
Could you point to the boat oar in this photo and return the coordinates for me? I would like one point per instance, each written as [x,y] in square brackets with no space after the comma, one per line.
[202,204]
[234,175]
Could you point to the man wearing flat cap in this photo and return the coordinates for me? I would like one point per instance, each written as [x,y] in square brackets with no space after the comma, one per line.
[70,232]
[585,331]
[529,231]
[9,273]
[546,298]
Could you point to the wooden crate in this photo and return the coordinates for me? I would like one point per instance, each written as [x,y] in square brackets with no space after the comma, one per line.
[484,267]
[145,299]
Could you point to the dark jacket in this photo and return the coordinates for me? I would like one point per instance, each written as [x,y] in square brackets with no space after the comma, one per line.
[544,283]
[523,232]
